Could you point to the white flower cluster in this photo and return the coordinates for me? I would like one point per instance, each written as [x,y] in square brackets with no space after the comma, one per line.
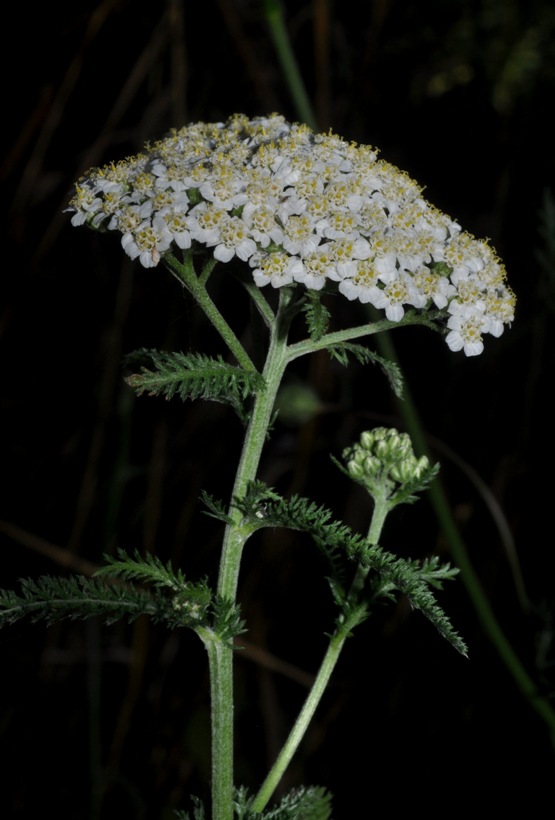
[301,207]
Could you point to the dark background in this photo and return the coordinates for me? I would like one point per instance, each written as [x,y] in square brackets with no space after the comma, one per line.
[100,722]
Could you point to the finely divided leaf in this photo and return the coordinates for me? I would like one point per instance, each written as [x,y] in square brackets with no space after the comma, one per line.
[265,508]
[363,355]
[317,315]
[194,376]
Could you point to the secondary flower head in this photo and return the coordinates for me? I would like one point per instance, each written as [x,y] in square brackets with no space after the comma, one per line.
[384,463]
[301,208]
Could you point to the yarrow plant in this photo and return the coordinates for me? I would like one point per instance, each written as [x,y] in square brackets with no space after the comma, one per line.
[313,217]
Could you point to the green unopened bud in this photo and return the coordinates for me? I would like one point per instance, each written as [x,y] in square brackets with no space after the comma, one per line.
[404,470]
[372,466]
[422,466]
[384,462]
[382,449]
[355,469]
[367,440]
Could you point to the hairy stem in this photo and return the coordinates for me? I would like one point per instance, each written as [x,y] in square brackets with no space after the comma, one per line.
[337,641]
[276,361]
[236,534]
[196,285]
[220,662]
[346,335]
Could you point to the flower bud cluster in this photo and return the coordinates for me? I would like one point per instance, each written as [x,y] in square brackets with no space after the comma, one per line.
[301,207]
[384,461]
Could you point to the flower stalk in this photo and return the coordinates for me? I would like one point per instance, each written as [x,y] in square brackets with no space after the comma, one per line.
[329,662]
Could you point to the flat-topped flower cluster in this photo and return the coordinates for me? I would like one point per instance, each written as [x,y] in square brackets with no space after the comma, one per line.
[300,207]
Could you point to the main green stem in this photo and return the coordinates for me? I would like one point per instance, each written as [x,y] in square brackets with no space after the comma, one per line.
[220,653]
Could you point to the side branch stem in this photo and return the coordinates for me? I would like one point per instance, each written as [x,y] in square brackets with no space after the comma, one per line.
[337,641]
[346,335]
[196,285]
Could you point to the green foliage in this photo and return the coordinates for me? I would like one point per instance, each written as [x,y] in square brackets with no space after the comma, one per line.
[434,573]
[265,508]
[407,578]
[304,803]
[54,599]
[226,619]
[316,314]
[198,813]
[216,508]
[363,355]
[114,594]
[148,568]
[194,376]
[191,601]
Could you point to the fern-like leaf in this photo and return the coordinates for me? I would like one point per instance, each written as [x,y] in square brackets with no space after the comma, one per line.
[264,507]
[194,376]
[227,619]
[363,355]
[406,577]
[179,604]
[190,601]
[303,803]
[53,599]
[198,812]
[317,315]
[148,568]
[215,508]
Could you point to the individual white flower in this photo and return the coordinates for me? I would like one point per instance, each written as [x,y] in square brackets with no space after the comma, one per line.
[263,225]
[224,187]
[398,292]
[345,251]
[166,200]
[169,176]
[205,222]
[86,203]
[338,224]
[177,223]
[500,309]
[299,236]
[467,324]
[359,280]
[434,286]
[148,243]
[144,186]
[314,269]
[128,218]
[234,240]
[277,269]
